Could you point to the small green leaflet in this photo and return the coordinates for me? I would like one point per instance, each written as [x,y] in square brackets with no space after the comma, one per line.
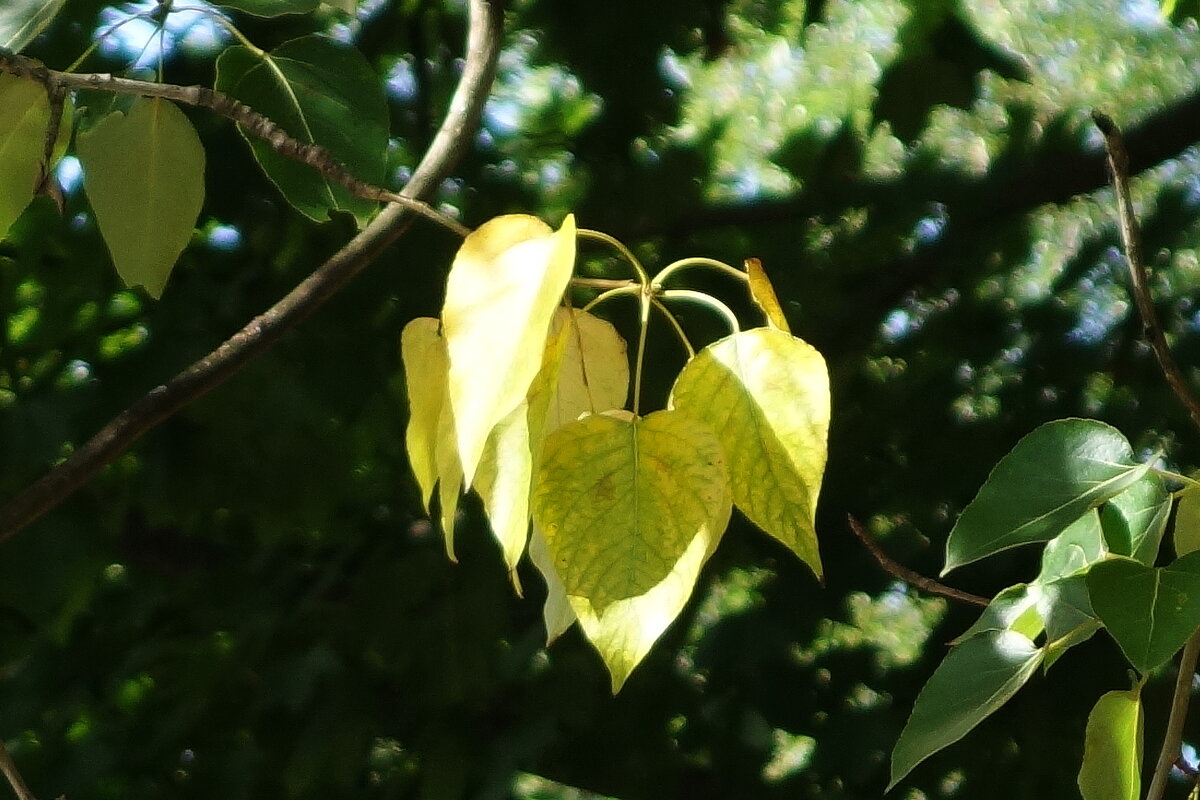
[976,678]
[144,175]
[1150,612]
[310,87]
[1112,749]
[766,394]
[22,20]
[272,8]
[1053,475]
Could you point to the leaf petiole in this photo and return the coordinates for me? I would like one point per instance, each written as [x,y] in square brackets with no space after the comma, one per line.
[698,261]
[626,253]
[703,299]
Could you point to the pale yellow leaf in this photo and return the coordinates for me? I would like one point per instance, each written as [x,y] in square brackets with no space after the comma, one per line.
[24,117]
[426,366]
[1187,521]
[506,281]
[763,295]
[557,612]
[1112,750]
[766,394]
[594,376]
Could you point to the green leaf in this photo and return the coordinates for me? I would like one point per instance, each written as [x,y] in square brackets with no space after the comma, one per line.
[1074,550]
[1112,749]
[1014,609]
[1053,475]
[1066,607]
[310,87]
[766,394]
[22,20]
[976,678]
[144,175]
[504,286]
[631,509]
[1134,520]
[1187,522]
[1150,612]
[272,8]
[24,117]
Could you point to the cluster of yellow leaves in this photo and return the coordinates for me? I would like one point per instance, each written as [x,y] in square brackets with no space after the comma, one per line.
[522,400]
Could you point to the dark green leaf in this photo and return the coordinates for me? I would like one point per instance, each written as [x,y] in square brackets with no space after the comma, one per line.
[1066,608]
[272,8]
[318,91]
[1150,612]
[22,20]
[1135,519]
[977,677]
[1053,475]
[1073,550]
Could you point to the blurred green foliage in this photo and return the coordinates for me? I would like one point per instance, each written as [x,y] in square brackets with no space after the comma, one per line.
[250,603]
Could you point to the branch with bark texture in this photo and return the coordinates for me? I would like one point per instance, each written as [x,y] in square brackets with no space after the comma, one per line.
[903,573]
[451,141]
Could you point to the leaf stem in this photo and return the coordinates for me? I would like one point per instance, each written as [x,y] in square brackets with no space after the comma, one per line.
[703,299]
[626,253]
[632,289]
[698,261]
[1179,706]
[671,318]
[644,299]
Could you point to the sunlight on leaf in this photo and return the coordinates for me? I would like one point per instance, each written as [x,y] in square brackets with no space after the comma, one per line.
[763,295]
[24,116]
[557,611]
[144,176]
[1112,750]
[766,394]
[594,376]
[504,286]
[22,20]
[1187,522]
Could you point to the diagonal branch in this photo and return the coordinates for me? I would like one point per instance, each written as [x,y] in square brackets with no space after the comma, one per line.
[161,402]
[9,768]
[916,579]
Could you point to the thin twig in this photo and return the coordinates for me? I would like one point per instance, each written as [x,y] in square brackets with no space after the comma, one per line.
[1118,165]
[251,121]
[1179,706]
[13,775]
[452,139]
[901,572]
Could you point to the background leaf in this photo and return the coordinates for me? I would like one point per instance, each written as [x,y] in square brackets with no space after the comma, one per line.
[976,678]
[1112,749]
[1149,611]
[763,295]
[22,20]
[502,292]
[144,176]
[24,116]
[1187,522]
[766,394]
[310,86]
[1045,483]
[272,8]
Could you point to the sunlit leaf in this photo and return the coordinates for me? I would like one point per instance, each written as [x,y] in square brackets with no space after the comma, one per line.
[1053,475]
[24,116]
[144,176]
[763,295]
[272,8]
[766,394]
[506,281]
[557,611]
[22,20]
[1150,611]
[310,87]
[1066,607]
[1074,550]
[594,375]
[1013,609]
[1134,520]
[1112,749]
[976,678]
[1187,522]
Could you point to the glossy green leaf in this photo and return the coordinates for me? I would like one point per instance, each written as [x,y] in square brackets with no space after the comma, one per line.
[1150,611]
[272,8]
[766,394]
[1187,522]
[504,286]
[1074,550]
[1053,475]
[1013,609]
[1134,521]
[24,116]
[310,87]
[22,20]
[1112,749]
[976,678]
[1065,606]
[144,176]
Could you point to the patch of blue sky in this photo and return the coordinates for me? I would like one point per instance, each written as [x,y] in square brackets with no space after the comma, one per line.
[133,32]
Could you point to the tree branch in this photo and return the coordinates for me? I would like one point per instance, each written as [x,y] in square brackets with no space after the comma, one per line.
[451,141]
[13,775]
[903,573]
[1169,753]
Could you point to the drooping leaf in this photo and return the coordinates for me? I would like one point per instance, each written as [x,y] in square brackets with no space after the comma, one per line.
[22,20]
[1187,522]
[505,283]
[24,116]
[766,394]
[1053,475]
[621,500]
[272,8]
[976,678]
[1134,520]
[1112,748]
[1074,550]
[1014,609]
[144,176]
[1150,611]
[310,87]
[426,367]
[557,611]
[594,376]
[763,295]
